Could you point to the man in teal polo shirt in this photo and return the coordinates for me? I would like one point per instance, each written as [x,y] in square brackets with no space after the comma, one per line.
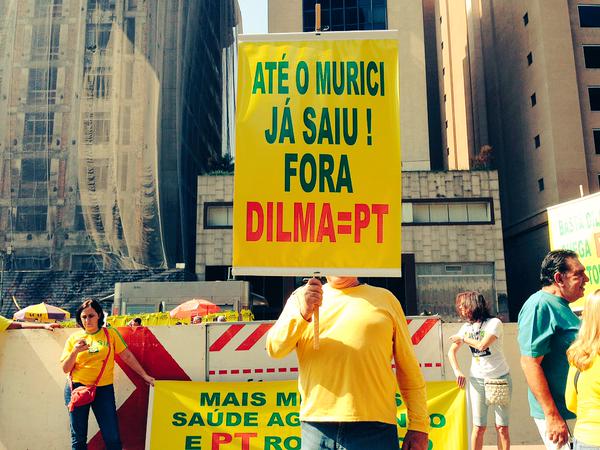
[547,327]
[6,324]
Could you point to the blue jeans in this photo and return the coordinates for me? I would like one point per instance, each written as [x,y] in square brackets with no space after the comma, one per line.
[578,445]
[349,436]
[105,410]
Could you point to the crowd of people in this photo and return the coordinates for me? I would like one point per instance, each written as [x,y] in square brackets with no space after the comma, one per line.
[361,329]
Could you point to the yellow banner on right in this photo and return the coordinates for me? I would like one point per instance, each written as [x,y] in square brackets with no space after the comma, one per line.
[575,225]
[447,406]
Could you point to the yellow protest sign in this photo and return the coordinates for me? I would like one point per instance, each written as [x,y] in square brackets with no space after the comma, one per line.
[317,165]
[264,416]
[575,225]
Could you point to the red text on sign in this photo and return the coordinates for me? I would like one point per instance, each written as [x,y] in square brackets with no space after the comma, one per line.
[311,222]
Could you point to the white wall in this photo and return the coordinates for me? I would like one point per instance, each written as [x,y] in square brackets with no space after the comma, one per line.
[32,382]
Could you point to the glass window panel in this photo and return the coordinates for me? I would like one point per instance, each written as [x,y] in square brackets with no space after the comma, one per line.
[337,4]
[96,128]
[351,17]
[79,221]
[589,16]
[309,21]
[38,130]
[591,55]
[31,263]
[407,212]
[479,212]
[438,212]
[130,32]
[594,93]
[337,17]
[457,212]
[42,86]
[31,218]
[45,41]
[34,169]
[219,216]
[597,141]
[379,14]
[421,213]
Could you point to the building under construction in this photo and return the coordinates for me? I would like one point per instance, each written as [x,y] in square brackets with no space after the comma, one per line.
[109,109]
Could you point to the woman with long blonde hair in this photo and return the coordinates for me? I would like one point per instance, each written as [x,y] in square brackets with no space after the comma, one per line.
[583,383]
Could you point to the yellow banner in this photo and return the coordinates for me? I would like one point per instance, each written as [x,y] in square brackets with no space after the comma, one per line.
[317,164]
[264,416]
[575,225]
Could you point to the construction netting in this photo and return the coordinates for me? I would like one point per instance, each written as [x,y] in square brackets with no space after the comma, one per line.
[109,109]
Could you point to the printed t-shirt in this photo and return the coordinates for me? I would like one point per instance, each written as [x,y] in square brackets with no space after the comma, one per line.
[488,363]
[89,363]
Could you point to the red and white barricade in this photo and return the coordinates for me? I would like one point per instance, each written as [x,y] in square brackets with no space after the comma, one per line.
[236,351]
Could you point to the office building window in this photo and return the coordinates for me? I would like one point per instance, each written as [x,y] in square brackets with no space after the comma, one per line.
[34,169]
[45,42]
[218,215]
[445,212]
[597,140]
[31,262]
[96,128]
[529,58]
[536,141]
[346,15]
[34,178]
[130,33]
[31,218]
[97,37]
[541,184]
[79,221]
[525,19]
[41,88]
[594,94]
[98,82]
[87,262]
[38,130]
[589,16]
[102,5]
[47,8]
[533,99]
[591,55]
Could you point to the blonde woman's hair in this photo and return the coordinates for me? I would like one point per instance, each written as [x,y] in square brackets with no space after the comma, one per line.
[584,349]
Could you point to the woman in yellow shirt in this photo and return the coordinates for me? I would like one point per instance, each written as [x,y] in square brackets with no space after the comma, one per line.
[582,394]
[83,357]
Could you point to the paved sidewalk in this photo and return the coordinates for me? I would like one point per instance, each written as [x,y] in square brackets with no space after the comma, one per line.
[517,447]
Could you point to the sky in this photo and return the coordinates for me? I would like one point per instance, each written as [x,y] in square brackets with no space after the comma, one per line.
[254,16]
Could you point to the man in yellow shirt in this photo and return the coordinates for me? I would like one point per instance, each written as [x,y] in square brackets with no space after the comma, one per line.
[347,386]
[6,324]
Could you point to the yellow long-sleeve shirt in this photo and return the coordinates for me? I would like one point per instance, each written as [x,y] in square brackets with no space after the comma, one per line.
[349,378]
[585,402]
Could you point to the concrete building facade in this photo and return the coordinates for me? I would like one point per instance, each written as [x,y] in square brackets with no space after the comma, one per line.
[523,77]
[451,241]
